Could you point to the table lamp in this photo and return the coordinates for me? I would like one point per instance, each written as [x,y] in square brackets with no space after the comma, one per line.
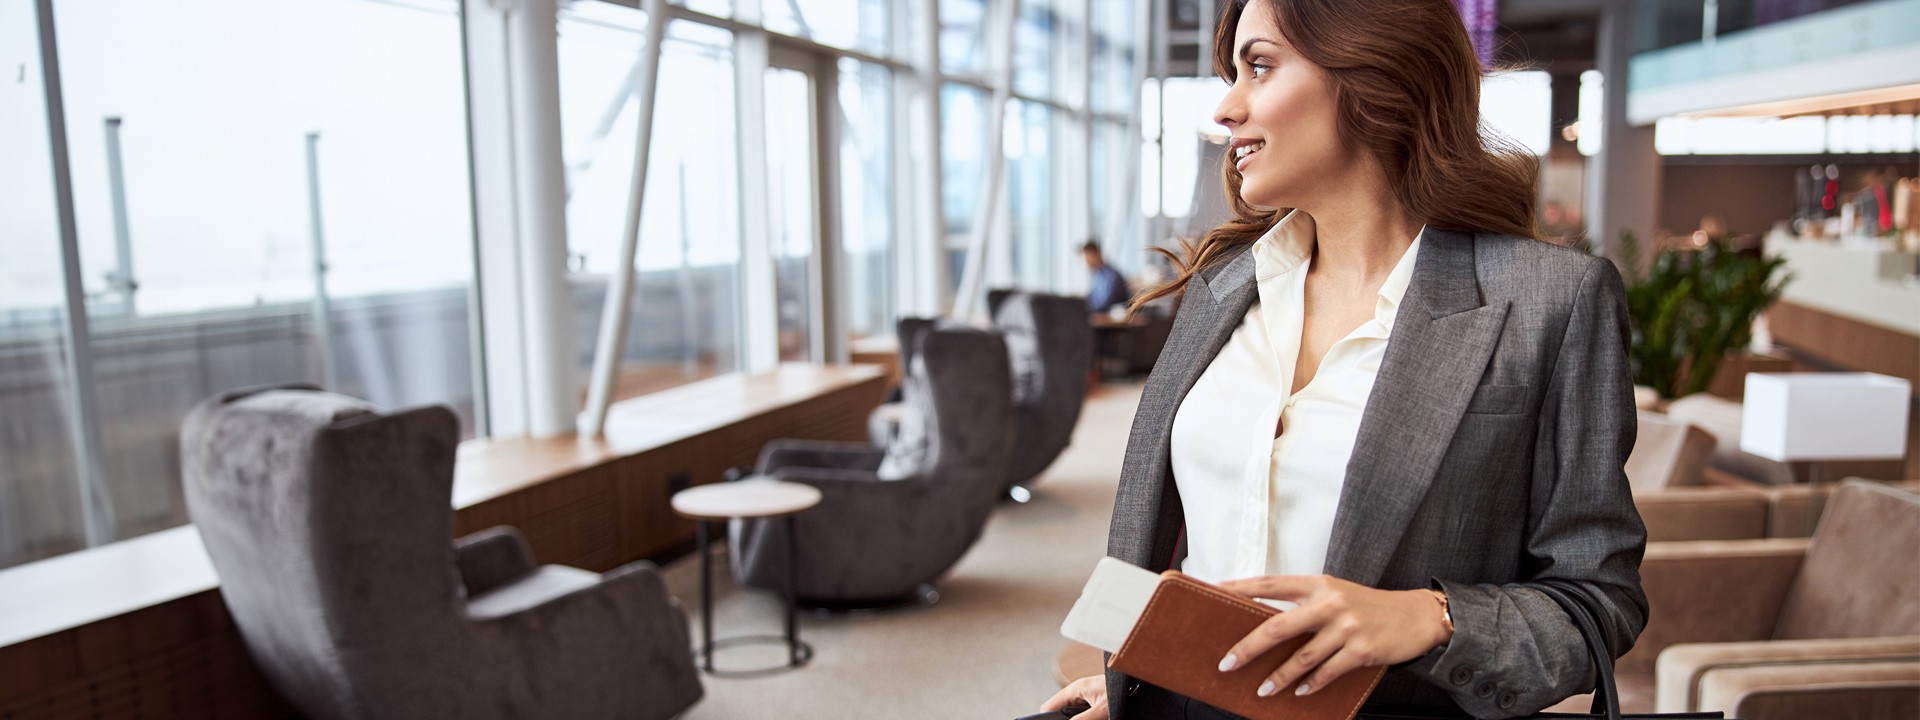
[1792,417]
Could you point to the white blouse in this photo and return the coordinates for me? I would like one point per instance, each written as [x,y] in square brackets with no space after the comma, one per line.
[1257,504]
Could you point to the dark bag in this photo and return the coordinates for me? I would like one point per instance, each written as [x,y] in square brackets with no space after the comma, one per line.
[1606,697]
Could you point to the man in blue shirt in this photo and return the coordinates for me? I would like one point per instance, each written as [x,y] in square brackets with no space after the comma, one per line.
[1107,287]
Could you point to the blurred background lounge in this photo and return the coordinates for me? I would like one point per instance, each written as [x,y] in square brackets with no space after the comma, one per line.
[631,244]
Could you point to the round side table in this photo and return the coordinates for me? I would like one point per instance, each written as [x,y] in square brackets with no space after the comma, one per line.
[752,498]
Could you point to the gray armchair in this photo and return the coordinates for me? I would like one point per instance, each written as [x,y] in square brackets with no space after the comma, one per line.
[884,422]
[892,520]
[329,525]
[1050,346]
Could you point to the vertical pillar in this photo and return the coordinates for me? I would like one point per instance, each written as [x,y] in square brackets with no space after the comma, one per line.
[520,229]
[1623,178]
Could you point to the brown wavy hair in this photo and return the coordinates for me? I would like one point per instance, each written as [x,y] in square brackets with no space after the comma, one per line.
[1407,83]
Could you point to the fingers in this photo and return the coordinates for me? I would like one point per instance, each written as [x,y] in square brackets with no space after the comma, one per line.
[1326,644]
[1347,659]
[1090,690]
[1277,587]
[1275,630]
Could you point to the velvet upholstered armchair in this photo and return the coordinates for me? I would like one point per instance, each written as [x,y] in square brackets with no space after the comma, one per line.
[329,525]
[893,520]
[1050,347]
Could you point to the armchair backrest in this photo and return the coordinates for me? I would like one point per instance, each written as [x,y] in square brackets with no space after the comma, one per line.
[1861,577]
[907,331]
[1050,349]
[329,525]
[1667,453]
[959,398]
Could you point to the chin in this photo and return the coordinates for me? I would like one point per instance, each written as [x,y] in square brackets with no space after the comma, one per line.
[1262,197]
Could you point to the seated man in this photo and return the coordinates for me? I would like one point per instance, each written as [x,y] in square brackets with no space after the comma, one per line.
[1107,288]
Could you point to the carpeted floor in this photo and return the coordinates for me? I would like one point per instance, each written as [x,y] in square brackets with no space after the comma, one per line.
[985,650]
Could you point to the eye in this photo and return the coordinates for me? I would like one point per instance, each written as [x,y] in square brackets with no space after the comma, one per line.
[1260,68]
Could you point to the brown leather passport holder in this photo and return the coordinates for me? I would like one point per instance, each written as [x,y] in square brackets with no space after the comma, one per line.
[1189,626]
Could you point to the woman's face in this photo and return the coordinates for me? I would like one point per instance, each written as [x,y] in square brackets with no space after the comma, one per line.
[1282,115]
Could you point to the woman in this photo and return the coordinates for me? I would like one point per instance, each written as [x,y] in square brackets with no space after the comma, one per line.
[1384,402]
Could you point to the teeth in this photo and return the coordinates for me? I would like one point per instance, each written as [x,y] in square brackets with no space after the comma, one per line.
[1245,150]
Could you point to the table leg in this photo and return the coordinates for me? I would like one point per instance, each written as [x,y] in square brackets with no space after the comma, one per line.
[706,597]
[793,571]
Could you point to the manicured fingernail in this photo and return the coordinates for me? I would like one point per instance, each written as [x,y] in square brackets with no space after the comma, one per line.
[1227,663]
[1266,688]
[1302,690]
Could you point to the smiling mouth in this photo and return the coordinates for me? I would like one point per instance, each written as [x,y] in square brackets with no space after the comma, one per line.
[1242,153]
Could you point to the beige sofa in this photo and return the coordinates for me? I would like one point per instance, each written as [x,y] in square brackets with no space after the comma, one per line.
[1788,627]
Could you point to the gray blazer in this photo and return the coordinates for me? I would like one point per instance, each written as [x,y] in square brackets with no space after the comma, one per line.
[1489,461]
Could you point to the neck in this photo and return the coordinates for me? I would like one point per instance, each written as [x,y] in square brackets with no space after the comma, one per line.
[1361,235]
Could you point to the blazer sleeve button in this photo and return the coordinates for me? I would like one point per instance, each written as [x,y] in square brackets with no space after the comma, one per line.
[1508,698]
[1461,675]
[1485,689]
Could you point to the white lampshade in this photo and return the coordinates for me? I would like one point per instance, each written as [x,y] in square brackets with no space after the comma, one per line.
[1825,416]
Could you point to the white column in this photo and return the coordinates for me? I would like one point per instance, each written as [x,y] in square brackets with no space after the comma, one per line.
[1623,178]
[922,284]
[519,197]
[760,309]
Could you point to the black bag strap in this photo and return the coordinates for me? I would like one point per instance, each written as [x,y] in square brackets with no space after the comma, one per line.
[1606,695]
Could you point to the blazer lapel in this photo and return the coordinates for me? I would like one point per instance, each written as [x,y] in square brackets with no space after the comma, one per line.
[1441,342]
[1147,513]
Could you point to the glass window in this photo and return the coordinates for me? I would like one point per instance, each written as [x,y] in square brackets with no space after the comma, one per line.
[791,177]
[963,37]
[294,221]
[1109,161]
[40,484]
[1114,55]
[716,8]
[684,319]
[1519,106]
[963,161]
[1033,44]
[866,196]
[1036,249]
[852,24]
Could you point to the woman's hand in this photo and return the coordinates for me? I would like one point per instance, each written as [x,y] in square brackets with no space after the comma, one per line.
[1090,691]
[1354,626]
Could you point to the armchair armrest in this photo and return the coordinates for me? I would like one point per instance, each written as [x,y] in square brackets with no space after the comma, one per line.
[781,454]
[1698,677]
[1715,477]
[1703,513]
[491,558]
[1712,591]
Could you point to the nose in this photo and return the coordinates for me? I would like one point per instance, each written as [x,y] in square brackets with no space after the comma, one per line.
[1233,107]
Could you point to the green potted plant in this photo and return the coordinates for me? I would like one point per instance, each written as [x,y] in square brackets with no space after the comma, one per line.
[1690,308]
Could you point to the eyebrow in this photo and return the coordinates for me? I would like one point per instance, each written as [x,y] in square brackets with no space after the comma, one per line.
[1246,48]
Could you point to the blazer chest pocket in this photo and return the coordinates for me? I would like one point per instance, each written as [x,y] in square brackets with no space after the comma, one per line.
[1498,400]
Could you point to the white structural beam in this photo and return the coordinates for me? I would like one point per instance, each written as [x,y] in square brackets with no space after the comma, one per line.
[96,504]
[520,227]
[924,260]
[759,292]
[615,314]
[985,223]
[1623,178]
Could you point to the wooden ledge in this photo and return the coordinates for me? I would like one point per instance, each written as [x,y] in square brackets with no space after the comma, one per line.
[490,469]
[93,626]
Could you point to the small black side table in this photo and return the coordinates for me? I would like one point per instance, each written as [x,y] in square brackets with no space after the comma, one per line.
[753,498]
